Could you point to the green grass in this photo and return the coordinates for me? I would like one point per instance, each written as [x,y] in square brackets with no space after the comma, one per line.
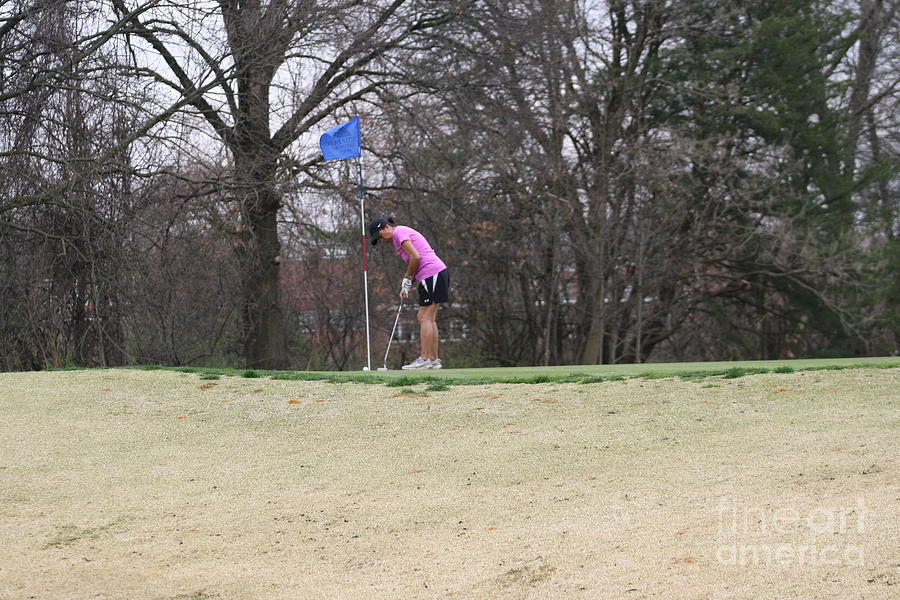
[696,372]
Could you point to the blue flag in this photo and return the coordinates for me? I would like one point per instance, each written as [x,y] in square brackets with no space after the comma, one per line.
[342,141]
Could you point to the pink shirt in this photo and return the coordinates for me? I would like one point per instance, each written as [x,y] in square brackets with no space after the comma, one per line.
[429,263]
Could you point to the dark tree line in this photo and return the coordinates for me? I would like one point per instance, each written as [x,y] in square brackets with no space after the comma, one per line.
[611,182]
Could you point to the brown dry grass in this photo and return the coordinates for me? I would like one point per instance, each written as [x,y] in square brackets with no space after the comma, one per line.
[160,485]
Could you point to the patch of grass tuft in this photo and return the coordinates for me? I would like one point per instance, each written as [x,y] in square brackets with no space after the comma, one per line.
[533,379]
[250,374]
[67,535]
[697,375]
[736,372]
[437,386]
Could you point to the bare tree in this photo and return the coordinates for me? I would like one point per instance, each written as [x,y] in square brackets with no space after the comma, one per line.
[550,104]
[62,218]
[274,72]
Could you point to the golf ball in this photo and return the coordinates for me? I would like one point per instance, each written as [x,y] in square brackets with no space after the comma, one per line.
[365,368]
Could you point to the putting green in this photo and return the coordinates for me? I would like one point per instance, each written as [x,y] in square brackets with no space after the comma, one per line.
[634,370]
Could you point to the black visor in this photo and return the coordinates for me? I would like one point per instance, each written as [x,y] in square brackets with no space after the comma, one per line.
[376,226]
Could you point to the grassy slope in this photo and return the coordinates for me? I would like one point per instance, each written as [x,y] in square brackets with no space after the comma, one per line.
[167,486]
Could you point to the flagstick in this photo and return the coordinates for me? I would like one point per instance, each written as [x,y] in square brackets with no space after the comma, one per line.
[340,142]
[362,219]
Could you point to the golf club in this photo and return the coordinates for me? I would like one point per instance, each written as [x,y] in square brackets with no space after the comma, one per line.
[391,339]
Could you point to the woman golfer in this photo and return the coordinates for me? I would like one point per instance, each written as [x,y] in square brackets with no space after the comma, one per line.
[424,266]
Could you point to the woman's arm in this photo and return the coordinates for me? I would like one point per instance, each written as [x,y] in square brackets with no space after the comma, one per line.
[414,259]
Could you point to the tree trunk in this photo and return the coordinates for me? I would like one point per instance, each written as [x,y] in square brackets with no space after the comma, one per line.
[596,333]
[265,342]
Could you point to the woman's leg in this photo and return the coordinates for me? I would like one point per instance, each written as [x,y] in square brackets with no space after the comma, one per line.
[428,331]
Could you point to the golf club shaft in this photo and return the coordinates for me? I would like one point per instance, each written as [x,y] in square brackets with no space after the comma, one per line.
[391,339]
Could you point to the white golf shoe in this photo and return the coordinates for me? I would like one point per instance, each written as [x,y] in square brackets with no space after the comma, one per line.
[419,363]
